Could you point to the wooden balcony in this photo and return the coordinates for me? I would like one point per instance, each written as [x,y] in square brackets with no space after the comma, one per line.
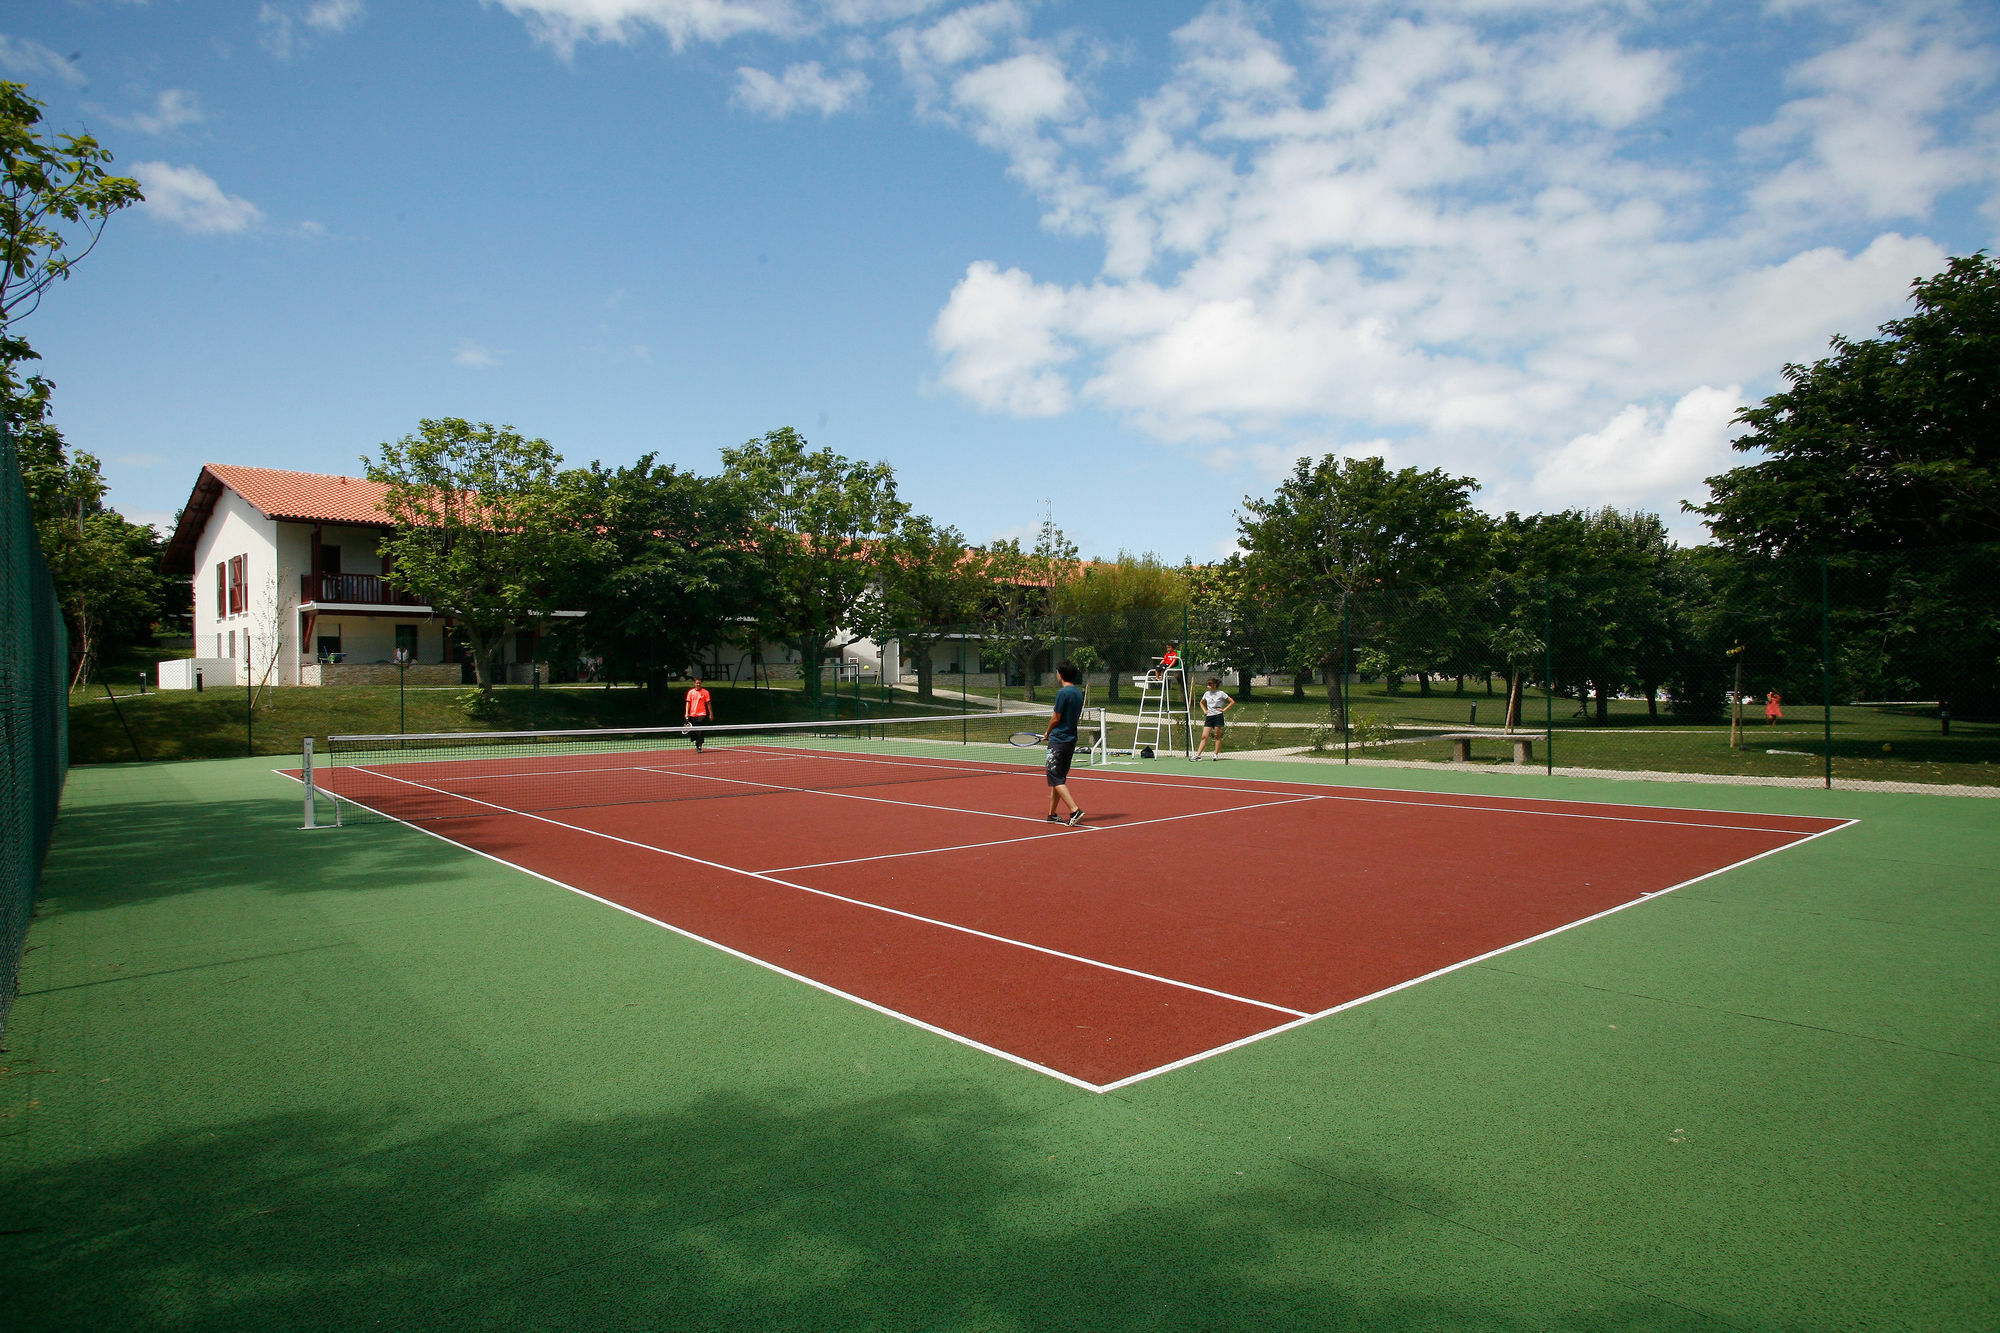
[353,590]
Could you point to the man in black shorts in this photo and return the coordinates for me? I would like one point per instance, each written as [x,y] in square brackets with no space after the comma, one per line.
[1060,736]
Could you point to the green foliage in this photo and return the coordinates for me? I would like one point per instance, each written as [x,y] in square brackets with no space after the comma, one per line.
[477,704]
[672,570]
[486,527]
[1340,527]
[932,585]
[1127,609]
[50,191]
[1890,442]
[823,525]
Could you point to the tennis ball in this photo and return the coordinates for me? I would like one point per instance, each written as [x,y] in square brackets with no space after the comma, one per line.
[1885,747]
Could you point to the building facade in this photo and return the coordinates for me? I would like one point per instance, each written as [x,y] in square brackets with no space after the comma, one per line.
[291,587]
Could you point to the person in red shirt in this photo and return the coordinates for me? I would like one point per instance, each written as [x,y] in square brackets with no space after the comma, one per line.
[1168,660]
[697,710]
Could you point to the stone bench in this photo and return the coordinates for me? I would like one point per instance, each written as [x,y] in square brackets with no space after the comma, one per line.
[1461,745]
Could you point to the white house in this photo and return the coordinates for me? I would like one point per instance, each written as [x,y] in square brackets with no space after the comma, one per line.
[289,586]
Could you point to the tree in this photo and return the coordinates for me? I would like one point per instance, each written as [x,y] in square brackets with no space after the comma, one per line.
[823,522]
[1890,442]
[673,571]
[1022,624]
[1127,609]
[933,587]
[1339,527]
[50,190]
[105,569]
[486,528]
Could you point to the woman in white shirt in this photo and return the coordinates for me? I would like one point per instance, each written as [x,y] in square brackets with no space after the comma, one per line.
[1214,703]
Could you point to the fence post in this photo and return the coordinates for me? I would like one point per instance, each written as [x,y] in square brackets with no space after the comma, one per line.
[1346,730]
[1549,681]
[1826,663]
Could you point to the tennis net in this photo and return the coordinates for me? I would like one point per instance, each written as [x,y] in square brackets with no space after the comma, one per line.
[469,775]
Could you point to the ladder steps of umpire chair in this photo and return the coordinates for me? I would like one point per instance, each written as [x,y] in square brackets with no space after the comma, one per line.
[1159,718]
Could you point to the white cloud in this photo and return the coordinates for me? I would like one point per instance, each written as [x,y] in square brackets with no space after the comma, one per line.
[1018,93]
[190,199]
[997,334]
[1868,130]
[334,15]
[1432,235]
[804,87]
[472,356]
[280,33]
[564,24]
[29,58]
[171,109]
[1644,457]
[962,35]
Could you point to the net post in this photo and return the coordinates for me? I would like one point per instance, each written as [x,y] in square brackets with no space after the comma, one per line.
[1826,664]
[306,778]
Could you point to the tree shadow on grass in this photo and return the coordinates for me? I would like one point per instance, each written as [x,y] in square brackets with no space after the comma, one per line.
[129,852]
[914,1211]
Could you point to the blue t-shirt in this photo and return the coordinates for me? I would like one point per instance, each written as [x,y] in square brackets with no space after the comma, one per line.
[1068,710]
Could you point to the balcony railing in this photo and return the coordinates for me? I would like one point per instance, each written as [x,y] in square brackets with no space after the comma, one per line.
[354,589]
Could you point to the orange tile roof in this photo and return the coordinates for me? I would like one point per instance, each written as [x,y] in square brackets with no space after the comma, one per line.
[312,497]
[302,497]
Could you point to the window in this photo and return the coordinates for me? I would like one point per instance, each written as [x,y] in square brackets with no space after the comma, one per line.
[329,559]
[232,643]
[239,592]
[221,594]
[329,647]
[406,643]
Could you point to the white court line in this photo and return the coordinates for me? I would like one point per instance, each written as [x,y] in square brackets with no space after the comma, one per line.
[857,902]
[1185,1061]
[843,795]
[1300,1021]
[1166,781]
[1001,842]
[753,959]
[1238,785]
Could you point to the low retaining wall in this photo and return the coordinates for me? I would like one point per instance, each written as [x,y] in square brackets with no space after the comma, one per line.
[378,673]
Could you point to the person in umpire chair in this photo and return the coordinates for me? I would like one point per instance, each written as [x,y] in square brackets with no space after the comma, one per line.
[1060,737]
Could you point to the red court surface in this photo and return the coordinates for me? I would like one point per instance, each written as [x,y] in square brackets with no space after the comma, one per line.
[1191,913]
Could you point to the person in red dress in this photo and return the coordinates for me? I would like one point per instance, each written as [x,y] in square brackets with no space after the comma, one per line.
[1773,714]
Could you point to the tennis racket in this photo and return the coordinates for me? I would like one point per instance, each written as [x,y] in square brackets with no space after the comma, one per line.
[1024,739]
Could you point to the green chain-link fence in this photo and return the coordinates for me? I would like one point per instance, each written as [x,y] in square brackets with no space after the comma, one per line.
[34,703]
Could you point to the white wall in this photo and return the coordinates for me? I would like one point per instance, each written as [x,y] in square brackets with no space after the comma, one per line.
[236,528]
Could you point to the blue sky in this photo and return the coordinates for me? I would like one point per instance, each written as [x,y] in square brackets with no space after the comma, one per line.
[1130,260]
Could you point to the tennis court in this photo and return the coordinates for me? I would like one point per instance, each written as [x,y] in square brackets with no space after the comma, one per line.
[1191,913]
[265,1078]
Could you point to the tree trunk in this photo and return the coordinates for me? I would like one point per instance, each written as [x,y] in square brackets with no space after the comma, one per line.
[482,657]
[810,657]
[1243,686]
[1336,698]
[1424,684]
[1603,703]
[926,673]
[1299,684]
[1513,699]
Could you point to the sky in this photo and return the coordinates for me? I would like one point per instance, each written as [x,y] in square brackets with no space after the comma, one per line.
[1119,263]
